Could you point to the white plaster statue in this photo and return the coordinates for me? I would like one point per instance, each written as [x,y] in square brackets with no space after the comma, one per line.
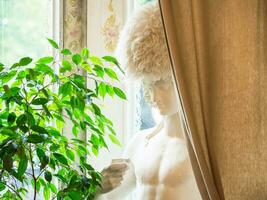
[155,164]
[158,165]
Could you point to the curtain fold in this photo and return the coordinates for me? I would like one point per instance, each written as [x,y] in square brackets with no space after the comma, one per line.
[218,54]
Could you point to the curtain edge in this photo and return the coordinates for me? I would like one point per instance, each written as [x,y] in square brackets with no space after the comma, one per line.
[202,175]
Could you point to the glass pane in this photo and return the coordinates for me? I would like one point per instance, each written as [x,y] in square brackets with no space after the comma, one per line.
[24,26]
[148,117]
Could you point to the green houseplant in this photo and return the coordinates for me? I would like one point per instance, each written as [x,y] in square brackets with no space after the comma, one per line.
[35,152]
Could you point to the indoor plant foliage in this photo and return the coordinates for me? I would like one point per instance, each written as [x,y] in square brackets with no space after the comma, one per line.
[35,152]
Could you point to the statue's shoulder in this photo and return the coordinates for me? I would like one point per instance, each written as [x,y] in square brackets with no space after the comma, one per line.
[137,140]
[144,133]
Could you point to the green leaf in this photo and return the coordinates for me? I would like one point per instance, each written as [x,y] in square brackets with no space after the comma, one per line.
[96,61]
[82,125]
[2,186]
[79,80]
[1,67]
[70,154]
[23,164]
[53,188]
[24,129]
[94,140]
[85,53]
[46,110]
[44,68]
[7,162]
[65,89]
[99,71]
[6,77]
[45,60]
[52,131]
[96,109]
[25,61]
[110,90]
[114,139]
[46,193]
[48,176]
[66,66]
[95,151]
[34,138]
[39,101]
[22,119]
[119,93]
[114,61]
[53,43]
[38,184]
[15,65]
[75,130]
[111,73]
[61,158]
[39,129]
[77,59]
[82,150]
[111,59]
[74,195]
[40,153]
[66,52]
[44,161]
[61,178]
[102,89]
[87,67]
[22,74]
[7,131]
[11,118]
[30,119]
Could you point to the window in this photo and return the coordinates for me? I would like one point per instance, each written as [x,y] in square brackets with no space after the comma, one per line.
[146,116]
[24,27]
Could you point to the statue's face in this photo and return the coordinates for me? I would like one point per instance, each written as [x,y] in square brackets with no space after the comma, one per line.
[161,94]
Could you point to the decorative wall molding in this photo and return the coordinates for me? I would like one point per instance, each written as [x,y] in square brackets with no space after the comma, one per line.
[74,24]
[111,29]
[74,33]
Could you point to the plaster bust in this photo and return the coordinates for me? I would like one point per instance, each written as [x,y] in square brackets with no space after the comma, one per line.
[158,165]
[155,164]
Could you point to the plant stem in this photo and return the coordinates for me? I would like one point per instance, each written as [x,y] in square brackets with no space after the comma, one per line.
[39,90]
[40,174]
[30,150]
[33,174]
[14,191]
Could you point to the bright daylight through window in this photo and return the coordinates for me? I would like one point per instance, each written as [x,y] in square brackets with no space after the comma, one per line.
[24,27]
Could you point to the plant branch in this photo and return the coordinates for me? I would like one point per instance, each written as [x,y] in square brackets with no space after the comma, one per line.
[15,183]
[40,173]
[39,90]
[33,173]
[16,192]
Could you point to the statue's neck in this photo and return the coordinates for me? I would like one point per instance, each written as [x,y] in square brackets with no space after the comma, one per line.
[172,126]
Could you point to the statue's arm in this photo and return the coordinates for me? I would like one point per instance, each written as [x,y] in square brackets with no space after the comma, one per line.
[119,178]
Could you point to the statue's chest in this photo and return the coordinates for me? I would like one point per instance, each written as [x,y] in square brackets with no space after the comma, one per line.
[162,161]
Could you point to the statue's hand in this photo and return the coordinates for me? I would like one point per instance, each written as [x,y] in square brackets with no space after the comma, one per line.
[112,176]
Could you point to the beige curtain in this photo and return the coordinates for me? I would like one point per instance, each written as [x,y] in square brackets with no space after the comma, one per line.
[219,58]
